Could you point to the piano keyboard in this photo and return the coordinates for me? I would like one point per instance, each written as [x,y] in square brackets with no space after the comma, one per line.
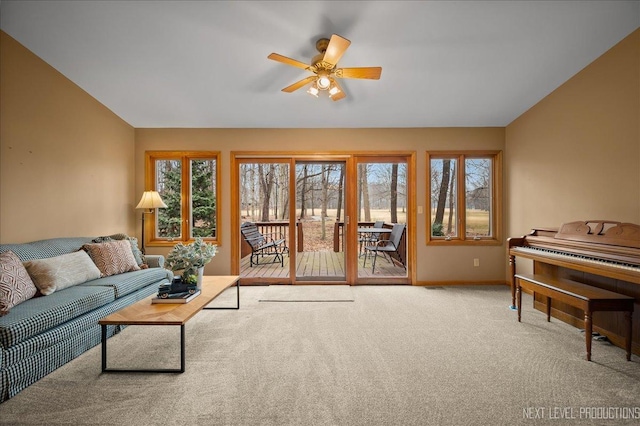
[575,257]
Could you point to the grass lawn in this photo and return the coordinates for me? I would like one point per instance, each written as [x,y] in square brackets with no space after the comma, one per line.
[477,222]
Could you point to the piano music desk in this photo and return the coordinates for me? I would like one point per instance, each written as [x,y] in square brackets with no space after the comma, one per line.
[582,296]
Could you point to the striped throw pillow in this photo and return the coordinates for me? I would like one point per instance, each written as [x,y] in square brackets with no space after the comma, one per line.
[15,284]
[134,245]
[112,257]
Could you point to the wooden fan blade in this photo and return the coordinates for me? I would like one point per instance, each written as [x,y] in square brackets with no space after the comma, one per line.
[288,61]
[340,94]
[372,73]
[336,48]
[295,86]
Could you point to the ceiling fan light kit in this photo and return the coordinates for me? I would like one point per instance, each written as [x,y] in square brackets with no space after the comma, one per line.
[324,67]
[313,90]
[323,80]
[333,89]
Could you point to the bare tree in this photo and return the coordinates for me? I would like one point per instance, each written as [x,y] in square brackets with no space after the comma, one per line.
[303,192]
[283,187]
[326,170]
[340,185]
[442,194]
[364,192]
[266,174]
[451,198]
[394,193]
[248,185]
[387,188]
[306,181]
[478,183]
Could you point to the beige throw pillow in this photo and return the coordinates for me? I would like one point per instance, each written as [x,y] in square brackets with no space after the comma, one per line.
[113,257]
[56,273]
[15,284]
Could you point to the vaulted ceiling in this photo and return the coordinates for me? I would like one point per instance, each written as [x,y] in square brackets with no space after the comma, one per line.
[204,63]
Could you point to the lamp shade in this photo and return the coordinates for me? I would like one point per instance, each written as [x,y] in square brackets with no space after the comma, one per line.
[150,200]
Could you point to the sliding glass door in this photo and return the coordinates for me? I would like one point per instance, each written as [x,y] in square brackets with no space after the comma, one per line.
[334,219]
[264,221]
[320,205]
[382,212]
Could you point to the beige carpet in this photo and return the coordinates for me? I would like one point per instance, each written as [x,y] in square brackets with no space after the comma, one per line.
[395,356]
[308,293]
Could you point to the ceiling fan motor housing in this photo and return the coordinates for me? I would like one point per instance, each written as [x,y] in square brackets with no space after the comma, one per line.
[317,63]
[322,45]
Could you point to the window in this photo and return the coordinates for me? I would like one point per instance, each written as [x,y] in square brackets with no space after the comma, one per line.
[188,185]
[464,197]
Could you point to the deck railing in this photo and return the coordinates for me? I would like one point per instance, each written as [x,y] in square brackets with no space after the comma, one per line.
[280,229]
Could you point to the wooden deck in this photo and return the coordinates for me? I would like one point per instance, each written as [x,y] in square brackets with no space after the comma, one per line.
[320,265]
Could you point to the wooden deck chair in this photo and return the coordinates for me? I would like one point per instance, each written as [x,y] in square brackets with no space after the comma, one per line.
[386,246]
[263,244]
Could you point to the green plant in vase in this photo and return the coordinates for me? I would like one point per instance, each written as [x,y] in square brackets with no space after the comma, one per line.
[189,259]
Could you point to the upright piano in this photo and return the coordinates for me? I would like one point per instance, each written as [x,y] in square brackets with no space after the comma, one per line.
[601,253]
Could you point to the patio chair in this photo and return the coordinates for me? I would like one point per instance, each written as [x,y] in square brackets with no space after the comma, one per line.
[263,244]
[391,245]
[370,237]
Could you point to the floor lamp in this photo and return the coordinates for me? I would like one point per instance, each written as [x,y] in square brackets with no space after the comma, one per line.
[150,201]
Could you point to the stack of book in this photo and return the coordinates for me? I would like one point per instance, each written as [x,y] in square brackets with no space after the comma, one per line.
[179,298]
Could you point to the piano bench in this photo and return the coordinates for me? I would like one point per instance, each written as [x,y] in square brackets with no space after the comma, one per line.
[580,295]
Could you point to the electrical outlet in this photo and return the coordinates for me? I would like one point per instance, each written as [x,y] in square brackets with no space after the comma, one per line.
[476,262]
[419,209]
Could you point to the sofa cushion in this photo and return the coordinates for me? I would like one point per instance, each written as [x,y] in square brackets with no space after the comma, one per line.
[15,284]
[42,313]
[129,282]
[70,329]
[56,273]
[45,248]
[112,257]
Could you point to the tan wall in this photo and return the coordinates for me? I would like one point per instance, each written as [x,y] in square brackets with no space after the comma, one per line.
[576,154]
[434,263]
[66,161]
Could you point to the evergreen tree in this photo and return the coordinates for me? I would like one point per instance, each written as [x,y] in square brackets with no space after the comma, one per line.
[203,202]
[169,187]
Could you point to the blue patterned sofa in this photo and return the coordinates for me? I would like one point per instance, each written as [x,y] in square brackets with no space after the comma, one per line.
[43,333]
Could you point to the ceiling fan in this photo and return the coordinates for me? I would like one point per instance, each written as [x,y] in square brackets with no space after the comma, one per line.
[324,68]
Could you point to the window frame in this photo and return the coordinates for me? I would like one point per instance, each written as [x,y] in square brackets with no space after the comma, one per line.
[185,158]
[496,200]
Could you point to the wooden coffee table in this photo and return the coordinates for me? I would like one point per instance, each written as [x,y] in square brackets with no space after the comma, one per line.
[146,313]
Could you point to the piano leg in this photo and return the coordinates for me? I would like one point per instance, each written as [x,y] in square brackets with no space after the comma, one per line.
[519,300]
[512,266]
[548,309]
[628,318]
[588,329]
